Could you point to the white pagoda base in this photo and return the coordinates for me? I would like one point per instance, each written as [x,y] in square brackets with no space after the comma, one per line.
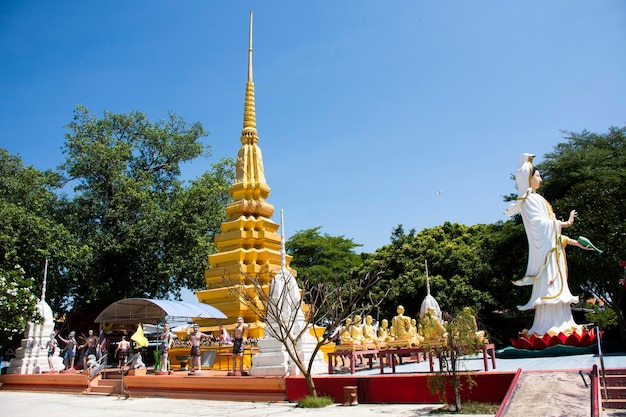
[274,360]
[32,356]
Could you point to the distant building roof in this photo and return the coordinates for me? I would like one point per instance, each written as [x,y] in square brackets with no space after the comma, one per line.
[145,310]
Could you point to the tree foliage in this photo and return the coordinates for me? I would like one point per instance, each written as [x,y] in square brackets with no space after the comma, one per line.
[149,235]
[460,340]
[17,302]
[459,264]
[30,232]
[474,265]
[319,257]
[587,172]
[132,228]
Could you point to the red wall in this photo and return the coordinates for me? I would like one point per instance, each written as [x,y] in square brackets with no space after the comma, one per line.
[393,388]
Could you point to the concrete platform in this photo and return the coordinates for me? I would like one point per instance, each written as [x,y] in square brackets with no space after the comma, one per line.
[475,363]
[151,401]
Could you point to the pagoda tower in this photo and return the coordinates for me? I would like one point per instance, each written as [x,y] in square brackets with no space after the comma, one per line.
[249,244]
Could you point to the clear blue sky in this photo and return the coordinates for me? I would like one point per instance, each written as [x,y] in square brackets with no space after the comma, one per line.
[370,113]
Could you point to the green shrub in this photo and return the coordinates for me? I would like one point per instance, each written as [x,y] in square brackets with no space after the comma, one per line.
[315,402]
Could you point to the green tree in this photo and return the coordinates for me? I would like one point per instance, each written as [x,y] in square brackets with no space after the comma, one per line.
[460,271]
[30,233]
[17,302]
[149,233]
[461,339]
[504,248]
[587,172]
[318,258]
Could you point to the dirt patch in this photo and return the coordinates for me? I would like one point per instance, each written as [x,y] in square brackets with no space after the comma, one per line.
[550,394]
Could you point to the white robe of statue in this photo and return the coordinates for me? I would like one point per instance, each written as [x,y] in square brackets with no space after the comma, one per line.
[547,265]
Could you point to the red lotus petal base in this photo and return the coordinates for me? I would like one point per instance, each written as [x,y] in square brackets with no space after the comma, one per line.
[534,342]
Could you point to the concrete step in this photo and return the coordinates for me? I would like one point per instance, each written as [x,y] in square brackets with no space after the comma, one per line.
[105,390]
[616,404]
[616,393]
[109,383]
[615,371]
[615,380]
[105,386]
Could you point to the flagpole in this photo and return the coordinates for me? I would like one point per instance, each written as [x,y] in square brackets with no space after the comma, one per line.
[45,277]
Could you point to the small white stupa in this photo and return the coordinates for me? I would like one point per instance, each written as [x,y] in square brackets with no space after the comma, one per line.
[273,358]
[429,300]
[32,355]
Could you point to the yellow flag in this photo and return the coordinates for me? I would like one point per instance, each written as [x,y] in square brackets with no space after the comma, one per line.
[139,338]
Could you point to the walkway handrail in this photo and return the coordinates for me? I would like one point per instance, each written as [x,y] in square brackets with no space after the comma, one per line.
[596,398]
[102,363]
[603,374]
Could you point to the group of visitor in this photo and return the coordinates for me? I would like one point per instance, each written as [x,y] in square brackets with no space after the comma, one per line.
[92,346]
[196,337]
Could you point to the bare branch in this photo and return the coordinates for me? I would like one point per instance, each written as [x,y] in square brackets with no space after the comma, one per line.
[290,313]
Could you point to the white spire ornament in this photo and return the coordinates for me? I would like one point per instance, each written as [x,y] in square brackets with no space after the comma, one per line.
[429,300]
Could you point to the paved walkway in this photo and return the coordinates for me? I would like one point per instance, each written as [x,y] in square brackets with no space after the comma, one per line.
[65,405]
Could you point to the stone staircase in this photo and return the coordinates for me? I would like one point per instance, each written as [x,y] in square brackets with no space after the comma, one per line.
[615,388]
[111,385]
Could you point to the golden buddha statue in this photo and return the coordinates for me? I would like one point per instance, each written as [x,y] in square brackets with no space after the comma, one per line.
[400,325]
[369,333]
[400,335]
[431,329]
[416,338]
[468,321]
[345,338]
[356,330]
[383,331]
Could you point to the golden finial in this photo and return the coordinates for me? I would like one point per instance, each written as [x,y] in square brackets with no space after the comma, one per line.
[250,51]
[249,190]
[249,134]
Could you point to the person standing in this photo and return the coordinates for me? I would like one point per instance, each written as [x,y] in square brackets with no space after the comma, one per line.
[52,348]
[121,352]
[196,339]
[238,348]
[167,338]
[70,350]
[93,347]
[102,344]
[224,335]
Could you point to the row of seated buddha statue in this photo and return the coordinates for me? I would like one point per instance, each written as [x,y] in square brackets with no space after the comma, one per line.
[404,332]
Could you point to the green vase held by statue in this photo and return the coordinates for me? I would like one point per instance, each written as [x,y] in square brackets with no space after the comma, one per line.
[587,243]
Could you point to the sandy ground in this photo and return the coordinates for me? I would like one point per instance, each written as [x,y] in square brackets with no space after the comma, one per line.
[16,403]
[539,392]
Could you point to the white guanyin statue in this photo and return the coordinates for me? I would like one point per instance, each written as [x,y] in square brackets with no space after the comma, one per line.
[547,268]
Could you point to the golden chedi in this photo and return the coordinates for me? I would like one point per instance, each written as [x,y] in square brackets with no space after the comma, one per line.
[248,244]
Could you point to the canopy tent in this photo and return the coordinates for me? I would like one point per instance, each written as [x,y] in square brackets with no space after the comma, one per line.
[145,310]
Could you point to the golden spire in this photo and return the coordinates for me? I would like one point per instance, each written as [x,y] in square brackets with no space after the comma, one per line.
[248,245]
[249,112]
[249,190]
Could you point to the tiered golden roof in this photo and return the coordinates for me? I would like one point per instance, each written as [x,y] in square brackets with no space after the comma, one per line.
[248,243]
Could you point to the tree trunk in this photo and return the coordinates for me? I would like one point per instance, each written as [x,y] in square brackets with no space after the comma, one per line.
[309,381]
[456,384]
